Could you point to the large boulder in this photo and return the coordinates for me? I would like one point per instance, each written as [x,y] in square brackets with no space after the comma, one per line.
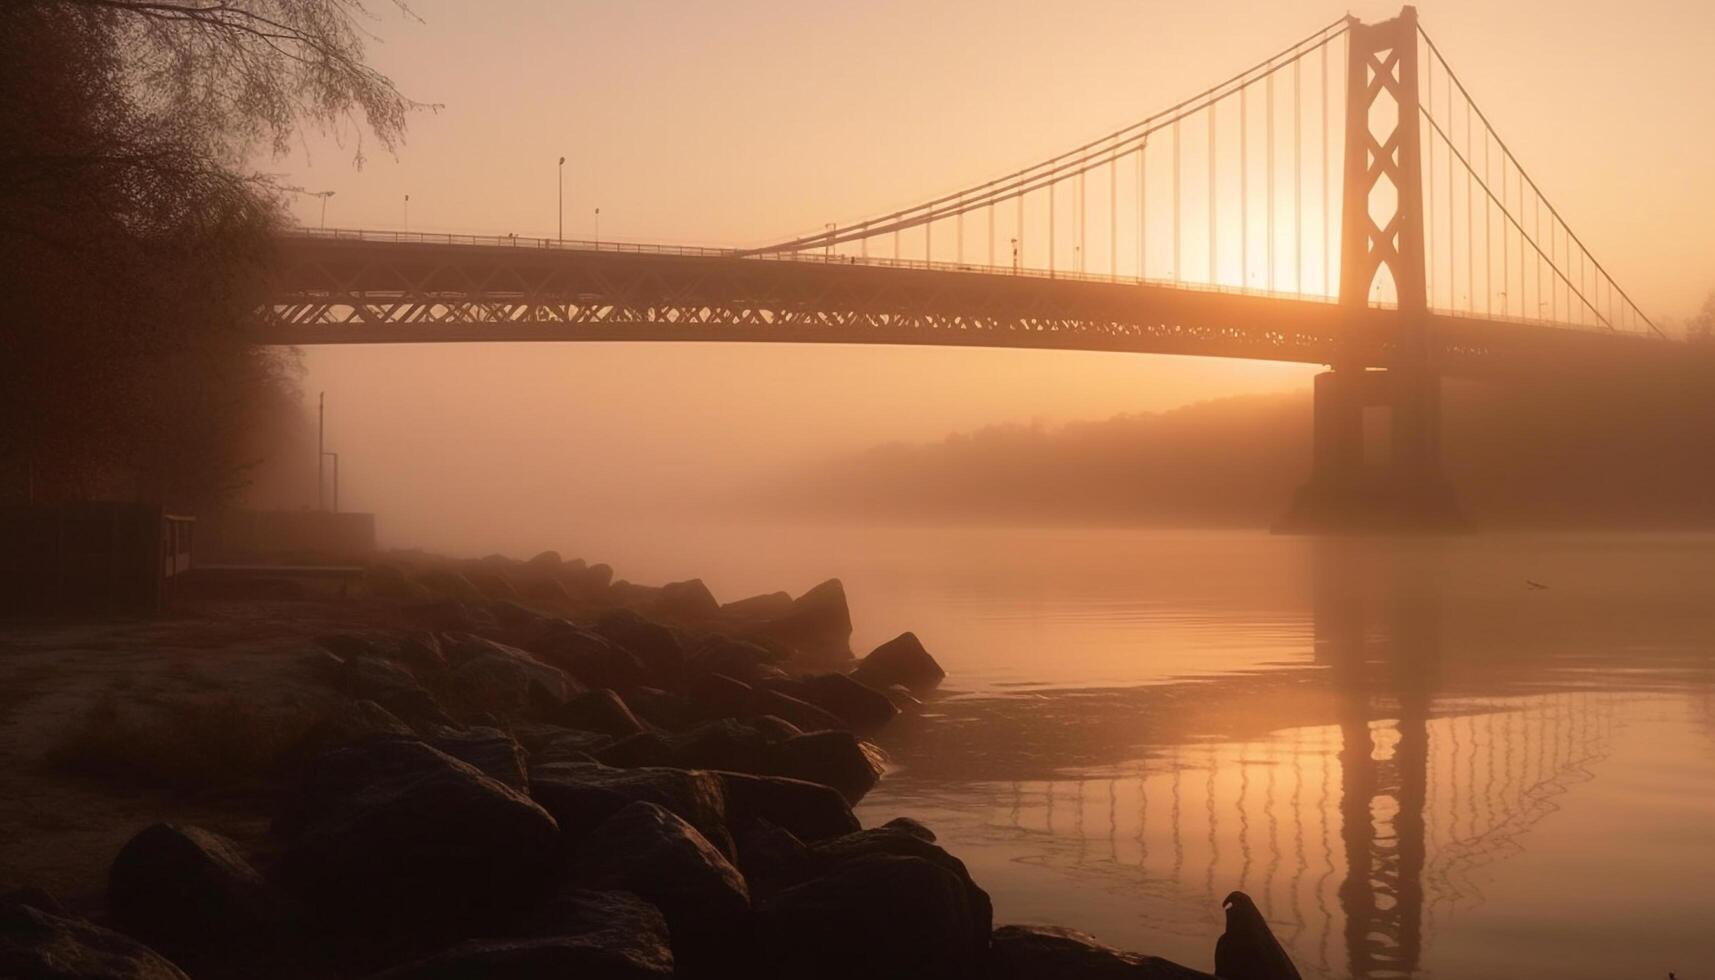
[862,708]
[588,656]
[191,894]
[876,915]
[493,679]
[602,711]
[532,959]
[1050,953]
[688,600]
[739,659]
[656,646]
[371,677]
[649,851]
[344,722]
[718,696]
[811,811]
[582,796]
[818,625]
[395,843]
[896,841]
[901,660]
[838,759]
[770,605]
[1247,950]
[493,752]
[803,714]
[771,858]
[41,945]
[618,922]
[450,585]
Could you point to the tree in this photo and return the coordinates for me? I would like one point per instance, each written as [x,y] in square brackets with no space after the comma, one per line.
[1701,327]
[131,240]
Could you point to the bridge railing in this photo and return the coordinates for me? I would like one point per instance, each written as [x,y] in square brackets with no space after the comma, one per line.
[821,258]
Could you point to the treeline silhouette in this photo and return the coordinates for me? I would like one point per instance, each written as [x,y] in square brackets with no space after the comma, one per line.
[1547,453]
[134,236]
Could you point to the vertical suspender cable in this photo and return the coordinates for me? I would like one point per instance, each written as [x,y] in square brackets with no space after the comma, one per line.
[1506,248]
[1214,258]
[1488,233]
[1268,164]
[1244,190]
[1083,218]
[959,232]
[928,231]
[1176,199]
[991,234]
[863,243]
[1018,243]
[1142,212]
[1470,221]
[1113,216]
[1327,206]
[1051,230]
[1452,260]
[1297,183]
[1429,203]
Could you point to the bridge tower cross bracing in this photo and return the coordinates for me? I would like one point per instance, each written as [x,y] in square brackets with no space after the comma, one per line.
[1355,483]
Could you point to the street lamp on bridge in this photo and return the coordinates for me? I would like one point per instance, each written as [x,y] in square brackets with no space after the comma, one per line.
[562,235]
[407,212]
[324,195]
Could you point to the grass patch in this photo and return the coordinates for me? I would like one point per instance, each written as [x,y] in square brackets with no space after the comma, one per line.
[186,745]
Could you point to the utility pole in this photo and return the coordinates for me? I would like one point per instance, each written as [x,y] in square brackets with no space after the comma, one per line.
[562,236]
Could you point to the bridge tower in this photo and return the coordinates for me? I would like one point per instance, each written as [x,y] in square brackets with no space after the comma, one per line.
[1376,457]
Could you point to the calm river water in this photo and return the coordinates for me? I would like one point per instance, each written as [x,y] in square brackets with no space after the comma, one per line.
[1417,761]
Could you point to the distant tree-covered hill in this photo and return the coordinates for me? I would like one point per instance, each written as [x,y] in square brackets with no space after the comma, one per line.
[1615,453]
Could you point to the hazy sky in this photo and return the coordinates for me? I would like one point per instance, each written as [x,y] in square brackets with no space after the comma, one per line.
[748,120]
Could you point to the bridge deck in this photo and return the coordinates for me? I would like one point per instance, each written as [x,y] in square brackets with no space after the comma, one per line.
[343,290]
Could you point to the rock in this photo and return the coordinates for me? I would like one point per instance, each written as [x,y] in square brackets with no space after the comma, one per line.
[532,959]
[718,696]
[450,615]
[491,751]
[810,811]
[1248,950]
[449,585]
[803,714]
[771,858]
[649,851]
[818,624]
[570,745]
[771,605]
[897,843]
[901,660]
[908,825]
[863,708]
[902,697]
[396,843]
[587,656]
[638,751]
[837,759]
[878,915]
[40,945]
[517,619]
[345,722]
[738,659]
[392,687]
[581,796]
[687,600]
[389,582]
[599,711]
[547,561]
[544,587]
[491,583]
[1050,953]
[586,581]
[656,646]
[774,727]
[191,895]
[633,595]
[663,709]
[504,681]
[612,920]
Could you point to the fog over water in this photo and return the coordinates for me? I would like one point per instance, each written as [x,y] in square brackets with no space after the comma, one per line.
[1138,721]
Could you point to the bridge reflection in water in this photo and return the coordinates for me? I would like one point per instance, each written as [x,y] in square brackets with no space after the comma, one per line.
[1357,810]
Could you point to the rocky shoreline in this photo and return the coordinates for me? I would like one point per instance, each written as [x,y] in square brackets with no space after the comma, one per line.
[537,771]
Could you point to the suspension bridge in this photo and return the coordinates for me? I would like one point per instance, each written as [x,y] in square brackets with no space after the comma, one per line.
[1342,202]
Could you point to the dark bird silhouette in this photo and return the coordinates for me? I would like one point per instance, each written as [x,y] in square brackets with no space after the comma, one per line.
[1248,950]
[1534,584]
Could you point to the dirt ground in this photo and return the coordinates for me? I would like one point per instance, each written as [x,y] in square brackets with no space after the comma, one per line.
[89,709]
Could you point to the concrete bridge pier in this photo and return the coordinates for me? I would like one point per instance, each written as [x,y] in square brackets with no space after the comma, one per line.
[1376,457]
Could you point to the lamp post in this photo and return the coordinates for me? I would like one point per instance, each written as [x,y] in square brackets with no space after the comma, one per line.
[407,212]
[598,227]
[324,195]
[562,199]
